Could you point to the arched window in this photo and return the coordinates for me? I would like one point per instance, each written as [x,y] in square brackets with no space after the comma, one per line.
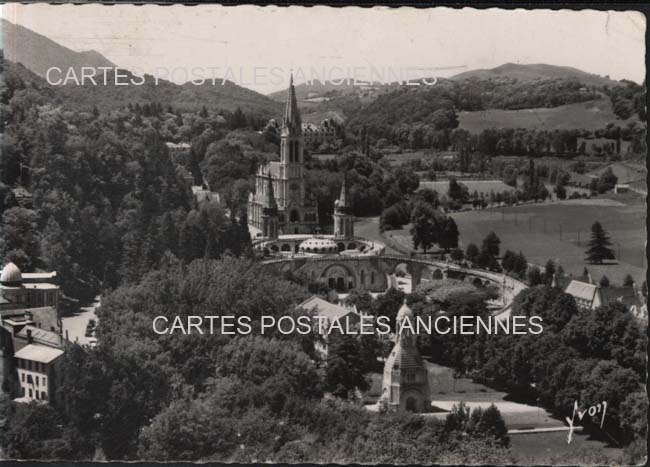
[294,216]
[372,277]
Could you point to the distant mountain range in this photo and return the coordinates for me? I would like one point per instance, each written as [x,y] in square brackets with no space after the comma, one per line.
[37,53]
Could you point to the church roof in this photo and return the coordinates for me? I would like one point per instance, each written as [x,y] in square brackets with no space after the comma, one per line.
[625,295]
[582,290]
[272,168]
[291,113]
[405,358]
[324,308]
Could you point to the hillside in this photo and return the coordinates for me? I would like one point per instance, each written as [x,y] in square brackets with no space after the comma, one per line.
[590,115]
[38,53]
[534,72]
[186,97]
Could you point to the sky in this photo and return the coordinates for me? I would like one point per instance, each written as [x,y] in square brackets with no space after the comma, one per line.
[258,46]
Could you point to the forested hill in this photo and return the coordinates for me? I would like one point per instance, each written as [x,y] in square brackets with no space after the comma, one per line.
[509,87]
[37,53]
[223,95]
[187,97]
[532,72]
[434,109]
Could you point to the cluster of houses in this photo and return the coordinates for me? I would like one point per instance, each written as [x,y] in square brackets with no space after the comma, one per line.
[589,295]
[31,339]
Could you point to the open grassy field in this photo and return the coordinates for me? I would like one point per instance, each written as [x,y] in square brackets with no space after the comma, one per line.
[556,230]
[481,186]
[552,449]
[591,115]
[561,230]
[400,158]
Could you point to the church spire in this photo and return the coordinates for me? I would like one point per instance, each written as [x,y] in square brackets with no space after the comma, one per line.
[343,217]
[344,197]
[291,113]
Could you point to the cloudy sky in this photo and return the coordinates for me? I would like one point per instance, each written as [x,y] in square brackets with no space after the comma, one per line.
[441,41]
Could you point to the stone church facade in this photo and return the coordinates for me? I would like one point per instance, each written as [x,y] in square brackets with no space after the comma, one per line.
[297,211]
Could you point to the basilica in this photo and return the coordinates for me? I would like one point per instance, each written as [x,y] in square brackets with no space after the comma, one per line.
[284,181]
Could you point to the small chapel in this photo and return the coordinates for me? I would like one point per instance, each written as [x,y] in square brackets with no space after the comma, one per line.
[405,384]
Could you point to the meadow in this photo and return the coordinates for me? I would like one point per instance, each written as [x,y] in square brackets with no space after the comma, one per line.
[396,159]
[590,115]
[558,230]
[481,186]
[561,230]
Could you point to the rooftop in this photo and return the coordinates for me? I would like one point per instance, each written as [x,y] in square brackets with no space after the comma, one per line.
[582,290]
[42,336]
[324,308]
[625,295]
[39,353]
[39,276]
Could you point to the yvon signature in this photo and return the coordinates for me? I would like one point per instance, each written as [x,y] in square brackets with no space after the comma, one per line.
[592,411]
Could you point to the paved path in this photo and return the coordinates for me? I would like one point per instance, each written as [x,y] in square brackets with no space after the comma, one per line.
[545,430]
[75,326]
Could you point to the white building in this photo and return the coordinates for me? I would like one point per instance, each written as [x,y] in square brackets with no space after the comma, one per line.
[36,365]
[328,313]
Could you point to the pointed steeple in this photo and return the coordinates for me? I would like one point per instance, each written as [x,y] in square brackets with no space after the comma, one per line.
[344,197]
[343,215]
[269,201]
[344,203]
[291,113]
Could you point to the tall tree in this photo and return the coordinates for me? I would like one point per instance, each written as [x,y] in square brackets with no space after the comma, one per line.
[449,234]
[549,272]
[426,226]
[491,243]
[345,365]
[599,245]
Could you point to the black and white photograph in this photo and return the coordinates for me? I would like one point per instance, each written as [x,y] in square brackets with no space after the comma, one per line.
[323,235]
